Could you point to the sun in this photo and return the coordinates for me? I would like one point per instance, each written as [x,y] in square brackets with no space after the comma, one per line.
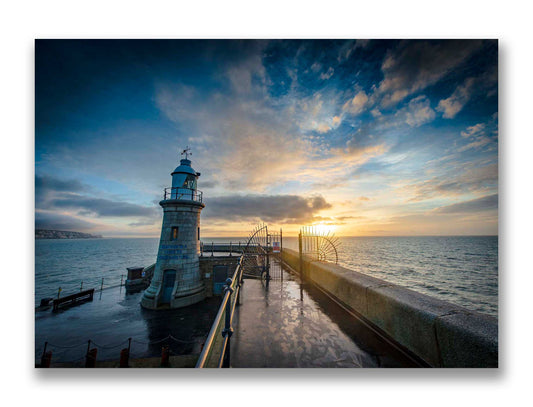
[325,229]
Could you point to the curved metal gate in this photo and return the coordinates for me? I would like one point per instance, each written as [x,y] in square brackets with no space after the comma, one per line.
[262,248]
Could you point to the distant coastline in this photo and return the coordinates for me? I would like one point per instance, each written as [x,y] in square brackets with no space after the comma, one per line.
[63,234]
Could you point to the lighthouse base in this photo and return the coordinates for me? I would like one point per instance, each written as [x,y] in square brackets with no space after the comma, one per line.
[154,301]
[180,302]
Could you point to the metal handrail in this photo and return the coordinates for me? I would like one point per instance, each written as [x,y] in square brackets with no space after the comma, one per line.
[183,194]
[226,333]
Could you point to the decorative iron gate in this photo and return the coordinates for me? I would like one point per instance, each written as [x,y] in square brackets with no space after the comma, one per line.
[317,244]
[261,249]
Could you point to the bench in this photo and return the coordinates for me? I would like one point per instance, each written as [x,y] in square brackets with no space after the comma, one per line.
[82,296]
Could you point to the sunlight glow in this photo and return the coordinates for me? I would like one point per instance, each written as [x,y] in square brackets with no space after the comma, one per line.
[325,229]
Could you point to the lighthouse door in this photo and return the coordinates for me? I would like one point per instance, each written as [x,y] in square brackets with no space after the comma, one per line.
[169,278]
[220,273]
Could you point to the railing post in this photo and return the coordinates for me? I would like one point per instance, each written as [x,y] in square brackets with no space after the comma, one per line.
[230,249]
[268,264]
[241,283]
[228,330]
[301,256]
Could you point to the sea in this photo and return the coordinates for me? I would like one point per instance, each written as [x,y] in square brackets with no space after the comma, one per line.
[462,270]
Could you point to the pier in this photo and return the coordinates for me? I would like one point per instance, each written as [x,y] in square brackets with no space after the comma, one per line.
[284,323]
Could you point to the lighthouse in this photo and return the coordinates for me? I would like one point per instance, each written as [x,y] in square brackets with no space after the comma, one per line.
[177,281]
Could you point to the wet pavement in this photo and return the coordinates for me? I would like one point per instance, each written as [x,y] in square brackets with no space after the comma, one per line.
[284,324]
[114,316]
[279,324]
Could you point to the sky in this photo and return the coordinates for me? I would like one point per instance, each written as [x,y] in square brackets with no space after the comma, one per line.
[361,137]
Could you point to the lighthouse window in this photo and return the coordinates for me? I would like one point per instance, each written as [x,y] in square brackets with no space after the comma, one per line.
[174,233]
[190,182]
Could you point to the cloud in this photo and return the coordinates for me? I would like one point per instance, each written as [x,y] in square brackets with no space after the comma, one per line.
[480,134]
[454,104]
[243,73]
[356,104]
[104,207]
[485,203]
[474,131]
[142,223]
[64,204]
[268,208]
[480,142]
[46,185]
[349,47]
[462,179]
[316,67]
[255,144]
[44,182]
[328,74]
[419,112]
[415,65]
[56,221]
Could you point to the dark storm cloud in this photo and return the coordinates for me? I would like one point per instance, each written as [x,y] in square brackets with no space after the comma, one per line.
[54,221]
[414,65]
[54,193]
[104,207]
[45,186]
[486,203]
[49,183]
[270,208]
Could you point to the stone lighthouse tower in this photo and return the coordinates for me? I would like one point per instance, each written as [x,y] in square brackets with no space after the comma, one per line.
[176,281]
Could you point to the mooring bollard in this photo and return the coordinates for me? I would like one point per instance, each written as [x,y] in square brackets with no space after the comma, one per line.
[124,357]
[46,357]
[165,356]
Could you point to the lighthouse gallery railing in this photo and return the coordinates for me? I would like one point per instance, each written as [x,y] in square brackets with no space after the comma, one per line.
[186,194]
[216,351]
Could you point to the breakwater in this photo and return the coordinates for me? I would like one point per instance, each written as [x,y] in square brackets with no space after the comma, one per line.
[440,333]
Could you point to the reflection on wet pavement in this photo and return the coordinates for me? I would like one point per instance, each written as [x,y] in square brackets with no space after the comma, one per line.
[114,316]
[281,324]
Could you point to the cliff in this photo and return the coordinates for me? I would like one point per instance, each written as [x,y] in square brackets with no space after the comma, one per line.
[62,234]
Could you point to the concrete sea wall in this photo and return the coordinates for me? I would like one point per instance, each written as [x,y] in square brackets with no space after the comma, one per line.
[440,333]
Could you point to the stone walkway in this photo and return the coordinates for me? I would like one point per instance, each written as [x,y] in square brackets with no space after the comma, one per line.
[283,325]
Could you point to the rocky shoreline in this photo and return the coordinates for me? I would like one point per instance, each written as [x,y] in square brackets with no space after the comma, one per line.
[63,234]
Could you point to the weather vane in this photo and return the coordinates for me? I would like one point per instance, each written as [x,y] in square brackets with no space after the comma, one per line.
[187,152]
